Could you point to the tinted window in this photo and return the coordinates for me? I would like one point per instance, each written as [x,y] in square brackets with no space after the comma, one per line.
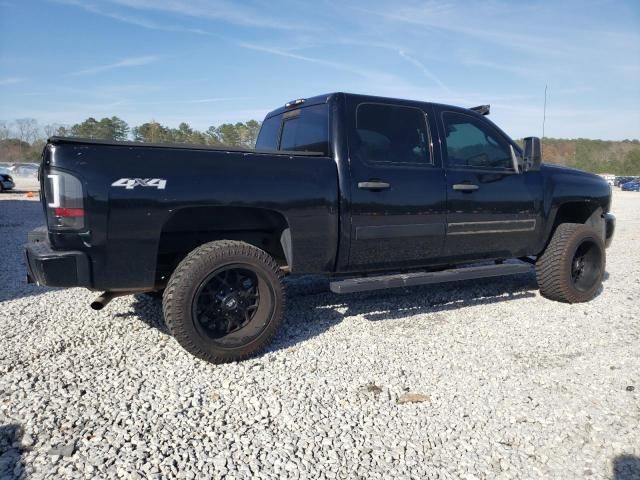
[391,134]
[473,144]
[269,134]
[306,130]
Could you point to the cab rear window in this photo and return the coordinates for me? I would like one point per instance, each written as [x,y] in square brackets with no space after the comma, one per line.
[269,135]
[302,130]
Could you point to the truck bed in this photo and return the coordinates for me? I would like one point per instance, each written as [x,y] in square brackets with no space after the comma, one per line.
[179,146]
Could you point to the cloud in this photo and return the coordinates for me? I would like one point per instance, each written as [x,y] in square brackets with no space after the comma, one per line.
[304,58]
[219,10]
[504,67]
[192,101]
[11,80]
[501,24]
[236,13]
[374,77]
[124,63]
[430,75]
[140,22]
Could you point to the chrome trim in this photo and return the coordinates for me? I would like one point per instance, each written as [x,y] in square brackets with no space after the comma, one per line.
[477,227]
[55,190]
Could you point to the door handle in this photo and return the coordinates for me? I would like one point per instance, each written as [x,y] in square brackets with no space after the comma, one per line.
[373,185]
[465,187]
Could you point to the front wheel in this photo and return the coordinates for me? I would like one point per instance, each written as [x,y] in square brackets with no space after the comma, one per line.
[225,301]
[572,266]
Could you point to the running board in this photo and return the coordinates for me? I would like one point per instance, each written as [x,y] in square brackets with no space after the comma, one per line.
[363,284]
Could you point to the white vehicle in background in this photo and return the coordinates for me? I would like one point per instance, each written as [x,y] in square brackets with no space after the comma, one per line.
[609,178]
[24,169]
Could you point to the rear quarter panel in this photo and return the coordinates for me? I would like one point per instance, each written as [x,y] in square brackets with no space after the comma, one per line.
[125,224]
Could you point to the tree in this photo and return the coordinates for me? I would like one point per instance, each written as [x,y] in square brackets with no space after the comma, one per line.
[63,131]
[27,129]
[88,129]
[13,150]
[253,128]
[183,133]
[114,128]
[151,132]
[229,135]
[632,162]
[5,132]
[211,136]
[107,128]
[53,129]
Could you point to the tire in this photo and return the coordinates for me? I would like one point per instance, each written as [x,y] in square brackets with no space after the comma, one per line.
[571,268]
[225,301]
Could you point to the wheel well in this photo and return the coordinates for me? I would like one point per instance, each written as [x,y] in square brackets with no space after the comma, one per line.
[190,227]
[575,212]
[579,212]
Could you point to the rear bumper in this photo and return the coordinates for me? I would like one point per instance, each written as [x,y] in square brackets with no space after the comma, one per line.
[54,268]
[610,227]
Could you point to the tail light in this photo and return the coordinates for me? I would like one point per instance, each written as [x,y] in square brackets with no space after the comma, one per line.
[64,201]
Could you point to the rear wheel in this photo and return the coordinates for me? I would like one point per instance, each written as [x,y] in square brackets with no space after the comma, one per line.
[225,301]
[571,268]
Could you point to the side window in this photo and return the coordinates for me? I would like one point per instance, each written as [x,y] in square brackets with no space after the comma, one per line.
[306,130]
[391,134]
[269,134]
[472,144]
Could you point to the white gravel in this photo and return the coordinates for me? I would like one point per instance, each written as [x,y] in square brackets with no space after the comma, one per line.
[480,379]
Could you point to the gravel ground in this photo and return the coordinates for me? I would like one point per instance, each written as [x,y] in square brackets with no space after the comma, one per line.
[473,380]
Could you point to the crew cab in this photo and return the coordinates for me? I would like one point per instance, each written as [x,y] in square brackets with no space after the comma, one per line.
[373,192]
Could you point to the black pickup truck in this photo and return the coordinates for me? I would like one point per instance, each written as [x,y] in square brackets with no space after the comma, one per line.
[374,192]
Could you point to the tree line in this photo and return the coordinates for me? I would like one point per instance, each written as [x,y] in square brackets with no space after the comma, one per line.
[598,156]
[23,139]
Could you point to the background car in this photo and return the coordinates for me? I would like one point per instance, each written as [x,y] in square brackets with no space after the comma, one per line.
[6,181]
[619,181]
[633,186]
[24,169]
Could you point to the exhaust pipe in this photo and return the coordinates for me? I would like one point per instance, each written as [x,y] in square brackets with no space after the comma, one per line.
[102,301]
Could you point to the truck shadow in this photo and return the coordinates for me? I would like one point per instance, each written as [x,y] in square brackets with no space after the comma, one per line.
[312,309]
[626,467]
[11,450]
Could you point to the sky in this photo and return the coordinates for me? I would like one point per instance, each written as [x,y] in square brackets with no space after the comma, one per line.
[207,62]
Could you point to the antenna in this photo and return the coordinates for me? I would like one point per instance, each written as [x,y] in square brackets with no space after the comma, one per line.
[544,111]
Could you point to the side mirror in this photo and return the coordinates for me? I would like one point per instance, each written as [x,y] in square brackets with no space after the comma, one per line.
[532,154]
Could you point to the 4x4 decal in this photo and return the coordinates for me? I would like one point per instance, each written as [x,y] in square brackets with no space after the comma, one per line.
[131,183]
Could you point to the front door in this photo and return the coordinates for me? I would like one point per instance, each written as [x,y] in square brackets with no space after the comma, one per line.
[492,210]
[397,188]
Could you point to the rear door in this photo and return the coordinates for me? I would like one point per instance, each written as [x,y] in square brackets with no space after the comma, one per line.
[492,210]
[397,187]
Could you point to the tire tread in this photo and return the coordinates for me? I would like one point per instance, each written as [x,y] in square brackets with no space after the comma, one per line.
[173,304]
[551,273]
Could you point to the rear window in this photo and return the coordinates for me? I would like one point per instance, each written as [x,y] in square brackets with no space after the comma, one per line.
[301,130]
[269,134]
